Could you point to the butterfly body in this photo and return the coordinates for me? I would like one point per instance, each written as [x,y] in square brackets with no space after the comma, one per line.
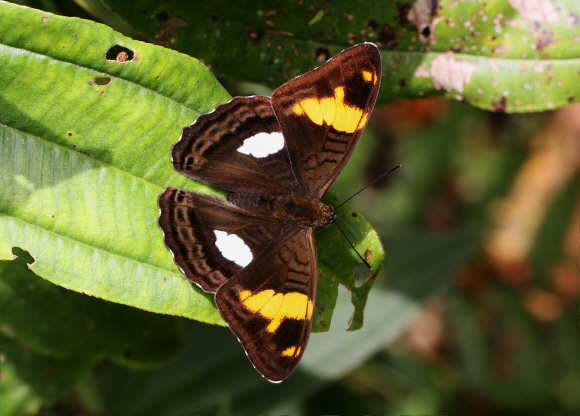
[307,210]
[277,156]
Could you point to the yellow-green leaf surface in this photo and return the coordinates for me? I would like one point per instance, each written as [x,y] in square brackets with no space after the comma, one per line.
[498,55]
[85,145]
[87,119]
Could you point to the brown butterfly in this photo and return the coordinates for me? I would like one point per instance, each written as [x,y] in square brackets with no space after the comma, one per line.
[278,156]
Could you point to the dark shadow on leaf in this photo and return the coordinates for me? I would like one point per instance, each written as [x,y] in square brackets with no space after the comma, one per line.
[58,322]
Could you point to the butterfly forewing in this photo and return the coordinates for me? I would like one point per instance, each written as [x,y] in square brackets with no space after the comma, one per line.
[269,304]
[239,147]
[324,113]
[278,156]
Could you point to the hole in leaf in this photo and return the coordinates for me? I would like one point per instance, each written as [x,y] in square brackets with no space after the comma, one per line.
[361,274]
[103,80]
[322,54]
[120,54]
[22,255]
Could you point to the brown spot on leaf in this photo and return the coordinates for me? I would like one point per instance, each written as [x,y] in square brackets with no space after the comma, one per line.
[368,254]
[44,19]
[372,25]
[354,214]
[499,106]
[168,34]
[545,40]
[403,12]
[256,36]
[388,36]
[164,37]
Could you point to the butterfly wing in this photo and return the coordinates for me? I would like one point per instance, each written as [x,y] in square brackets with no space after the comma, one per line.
[269,304]
[212,240]
[238,146]
[322,114]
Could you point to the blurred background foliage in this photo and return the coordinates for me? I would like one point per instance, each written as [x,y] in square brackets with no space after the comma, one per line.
[481,229]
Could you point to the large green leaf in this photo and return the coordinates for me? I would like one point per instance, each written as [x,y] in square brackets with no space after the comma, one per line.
[87,120]
[501,55]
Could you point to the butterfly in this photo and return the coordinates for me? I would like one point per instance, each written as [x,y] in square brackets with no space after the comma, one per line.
[278,156]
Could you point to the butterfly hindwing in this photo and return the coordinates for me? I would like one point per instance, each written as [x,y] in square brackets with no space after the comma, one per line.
[239,147]
[323,113]
[193,223]
[269,304]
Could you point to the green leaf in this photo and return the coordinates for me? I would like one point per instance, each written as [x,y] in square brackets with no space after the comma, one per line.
[338,259]
[87,119]
[486,53]
[16,397]
[55,321]
[29,377]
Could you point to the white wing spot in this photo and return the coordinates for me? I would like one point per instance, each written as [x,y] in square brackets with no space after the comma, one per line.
[262,144]
[233,248]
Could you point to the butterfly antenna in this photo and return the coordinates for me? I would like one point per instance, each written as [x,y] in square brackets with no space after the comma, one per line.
[365,187]
[352,245]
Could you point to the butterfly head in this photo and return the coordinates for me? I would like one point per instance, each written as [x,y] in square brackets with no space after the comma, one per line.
[327,216]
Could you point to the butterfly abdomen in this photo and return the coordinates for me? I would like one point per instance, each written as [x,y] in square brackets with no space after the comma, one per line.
[307,210]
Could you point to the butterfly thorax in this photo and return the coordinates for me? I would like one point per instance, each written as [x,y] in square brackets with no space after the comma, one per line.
[306,209]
